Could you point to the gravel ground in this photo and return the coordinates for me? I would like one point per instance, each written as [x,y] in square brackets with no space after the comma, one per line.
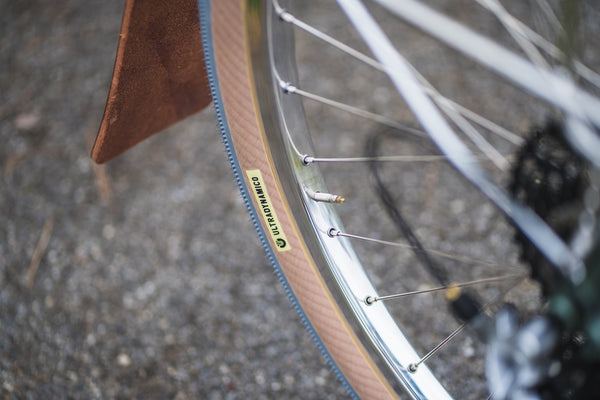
[144,278]
[139,279]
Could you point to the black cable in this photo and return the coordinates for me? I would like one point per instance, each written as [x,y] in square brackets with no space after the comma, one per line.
[392,210]
[464,305]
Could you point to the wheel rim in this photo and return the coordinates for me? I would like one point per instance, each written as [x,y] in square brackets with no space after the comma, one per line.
[335,256]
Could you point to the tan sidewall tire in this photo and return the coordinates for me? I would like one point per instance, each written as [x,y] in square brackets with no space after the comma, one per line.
[231,58]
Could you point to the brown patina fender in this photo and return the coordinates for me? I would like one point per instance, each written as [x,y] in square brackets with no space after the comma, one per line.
[159,76]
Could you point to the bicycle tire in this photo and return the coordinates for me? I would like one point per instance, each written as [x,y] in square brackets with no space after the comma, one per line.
[233,33]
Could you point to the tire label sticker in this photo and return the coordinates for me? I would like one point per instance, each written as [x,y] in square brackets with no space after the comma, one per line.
[266,209]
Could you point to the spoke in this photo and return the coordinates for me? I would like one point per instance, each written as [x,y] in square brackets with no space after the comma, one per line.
[550,15]
[410,158]
[464,259]
[414,366]
[549,86]
[308,159]
[553,51]
[514,28]
[489,125]
[585,72]
[288,17]
[373,299]
[541,235]
[290,88]
[486,148]
[452,109]
[455,111]
[448,103]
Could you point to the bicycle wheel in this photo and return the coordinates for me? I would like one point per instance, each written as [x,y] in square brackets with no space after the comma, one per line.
[250,56]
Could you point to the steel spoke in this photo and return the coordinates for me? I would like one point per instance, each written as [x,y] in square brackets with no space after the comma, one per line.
[414,366]
[464,259]
[548,85]
[373,299]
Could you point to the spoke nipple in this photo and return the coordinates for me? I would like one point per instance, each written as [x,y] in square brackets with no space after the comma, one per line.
[307,160]
[333,232]
[284,15]
[413,367]
[287,87]
[370,300]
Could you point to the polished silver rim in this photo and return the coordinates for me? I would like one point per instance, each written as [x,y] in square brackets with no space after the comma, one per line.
[319,221]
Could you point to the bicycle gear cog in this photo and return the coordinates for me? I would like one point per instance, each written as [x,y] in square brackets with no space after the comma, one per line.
[550,178]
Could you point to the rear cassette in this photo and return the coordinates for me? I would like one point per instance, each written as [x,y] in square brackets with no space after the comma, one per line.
[550,178]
